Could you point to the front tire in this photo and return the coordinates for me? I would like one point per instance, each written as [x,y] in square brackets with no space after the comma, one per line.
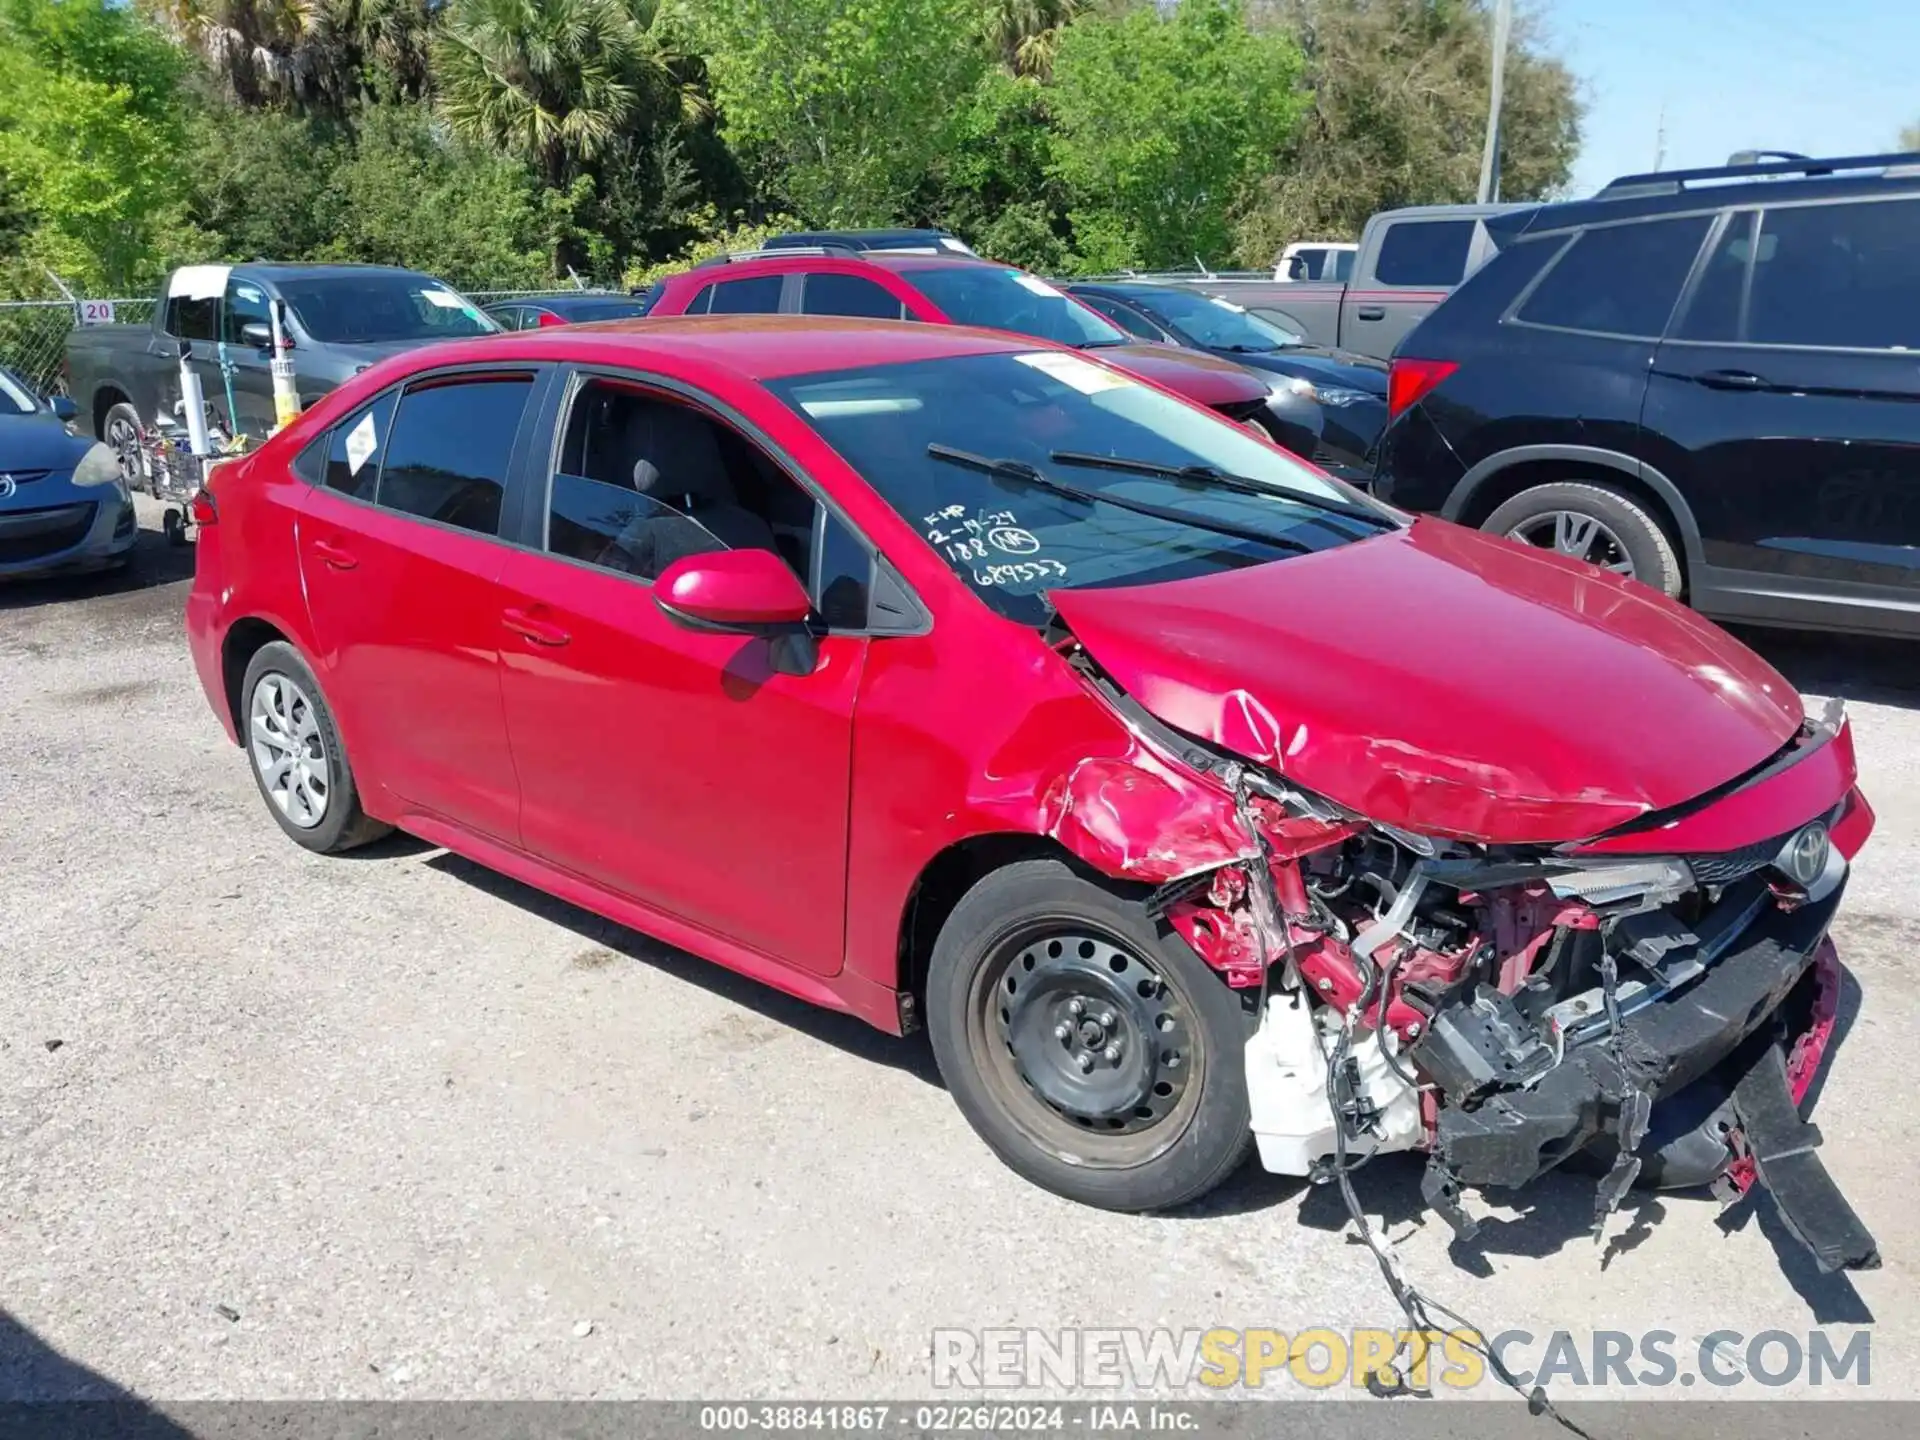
[298,762]
[1091,1049]
[1595,523]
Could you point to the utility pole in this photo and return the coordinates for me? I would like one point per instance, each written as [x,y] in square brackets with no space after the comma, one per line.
[1490,158]
[1660,140]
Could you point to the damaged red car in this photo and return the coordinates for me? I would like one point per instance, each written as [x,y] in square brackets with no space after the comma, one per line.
[1192,801]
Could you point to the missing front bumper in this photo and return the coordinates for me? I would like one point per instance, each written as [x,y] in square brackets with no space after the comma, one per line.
[1708,1040]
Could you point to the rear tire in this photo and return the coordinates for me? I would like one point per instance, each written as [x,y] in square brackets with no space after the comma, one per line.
[297,758]
[1136,1100]
[1596,523]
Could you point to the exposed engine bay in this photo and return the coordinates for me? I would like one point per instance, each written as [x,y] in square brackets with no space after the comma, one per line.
[1505,1009]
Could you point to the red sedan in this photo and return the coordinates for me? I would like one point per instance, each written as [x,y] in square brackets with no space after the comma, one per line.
[1190,799]
[943,288]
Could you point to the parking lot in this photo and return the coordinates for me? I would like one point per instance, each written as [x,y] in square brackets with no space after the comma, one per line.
[281,1126]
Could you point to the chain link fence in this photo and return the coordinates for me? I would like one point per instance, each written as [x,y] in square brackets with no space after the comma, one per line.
[33,333]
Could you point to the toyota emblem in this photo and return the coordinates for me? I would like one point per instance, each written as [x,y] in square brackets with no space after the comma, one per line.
[7,487]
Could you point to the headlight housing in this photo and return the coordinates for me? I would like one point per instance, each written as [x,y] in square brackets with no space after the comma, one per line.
[99,466]
[1340,395]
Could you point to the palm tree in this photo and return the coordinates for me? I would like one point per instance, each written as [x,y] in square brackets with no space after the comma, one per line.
[556,82]
[317,54]
[1023,34]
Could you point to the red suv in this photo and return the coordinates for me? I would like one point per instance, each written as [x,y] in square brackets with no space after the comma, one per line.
[943,288]
[1186,796]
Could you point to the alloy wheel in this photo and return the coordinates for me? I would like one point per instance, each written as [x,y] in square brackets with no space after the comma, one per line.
[1573,532]
[290,753]
[125,442]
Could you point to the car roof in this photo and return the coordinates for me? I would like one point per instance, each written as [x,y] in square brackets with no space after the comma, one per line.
[754,347]
[1686,192]
[294,270]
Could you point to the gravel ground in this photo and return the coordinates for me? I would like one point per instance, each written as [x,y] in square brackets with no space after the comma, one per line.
[278,1126]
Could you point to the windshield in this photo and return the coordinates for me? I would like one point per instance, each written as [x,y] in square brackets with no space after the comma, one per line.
[1012,539]
[1217,324]
[375,307]
[585,310]
[1013,300]
[15,397]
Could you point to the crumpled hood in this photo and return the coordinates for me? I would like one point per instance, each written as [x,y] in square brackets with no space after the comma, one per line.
[1448,682]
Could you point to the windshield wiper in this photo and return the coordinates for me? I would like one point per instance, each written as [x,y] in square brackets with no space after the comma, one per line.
[1251,349]
[1028,475]
[1099,344]
[1220,479]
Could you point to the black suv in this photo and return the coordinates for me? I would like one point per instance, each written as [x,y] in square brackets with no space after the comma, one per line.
[1706,379]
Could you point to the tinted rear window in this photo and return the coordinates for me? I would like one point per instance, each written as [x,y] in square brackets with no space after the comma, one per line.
[447,457]
[755,295]
[1618,279]
[1424,252]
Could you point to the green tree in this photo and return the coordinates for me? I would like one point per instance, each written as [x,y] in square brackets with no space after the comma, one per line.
[90,154]
[556,83]
[1908,138]
[995,185]
[844,105]
[317,55]
[404,195]
[1165,123]
[1024,35]
[1398,117]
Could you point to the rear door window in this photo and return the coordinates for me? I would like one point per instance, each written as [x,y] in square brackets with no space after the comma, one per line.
[452,441]
[355,447]
[1837,275]
[1618,279]
[755,295]
[831,293]
[192,317]
[1424,252]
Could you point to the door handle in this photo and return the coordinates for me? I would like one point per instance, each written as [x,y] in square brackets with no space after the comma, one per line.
[1371,312]
[538,631]
[333,556]
[1731,380]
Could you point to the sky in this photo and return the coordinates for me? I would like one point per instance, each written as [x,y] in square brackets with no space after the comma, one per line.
[1823,77]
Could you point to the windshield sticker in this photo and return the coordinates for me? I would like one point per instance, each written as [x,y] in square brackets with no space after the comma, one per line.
[361,442]
[1018,572]
[1083,375]
[1228,305]
[1035,284]
[445,299]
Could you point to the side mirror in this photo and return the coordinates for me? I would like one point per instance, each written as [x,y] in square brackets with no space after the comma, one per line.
[258,335]
[751,592]
[62,407]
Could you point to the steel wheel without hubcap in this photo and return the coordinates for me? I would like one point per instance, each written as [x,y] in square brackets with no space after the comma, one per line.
[1584,537]
[1090,1051]
[289,751]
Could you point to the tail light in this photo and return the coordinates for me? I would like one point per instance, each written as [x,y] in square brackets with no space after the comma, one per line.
[547,317]
[201,509]
[1410,381]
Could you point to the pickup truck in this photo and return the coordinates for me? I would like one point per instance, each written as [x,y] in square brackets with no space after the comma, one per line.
[1409,261]
[338,319]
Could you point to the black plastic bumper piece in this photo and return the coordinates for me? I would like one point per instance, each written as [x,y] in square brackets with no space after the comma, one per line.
[1782,1146]
[1514,1136]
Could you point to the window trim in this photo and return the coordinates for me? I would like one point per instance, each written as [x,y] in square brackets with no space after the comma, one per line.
[541,378]
[578,375]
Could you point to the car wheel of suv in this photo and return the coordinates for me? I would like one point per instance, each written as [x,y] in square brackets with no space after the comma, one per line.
[298,760]
[1595,523]
[1087,1045]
